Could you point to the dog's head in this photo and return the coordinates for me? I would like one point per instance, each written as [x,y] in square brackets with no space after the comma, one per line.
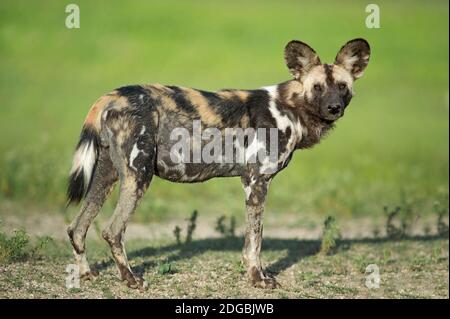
[327,88]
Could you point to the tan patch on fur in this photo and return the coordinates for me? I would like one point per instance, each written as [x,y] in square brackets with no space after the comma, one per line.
[93,118]
[207,114]
[342,75]
[245,121]
[228,94]
[157,89]
[167,102]
[243,95]
[291,88]
[316,75]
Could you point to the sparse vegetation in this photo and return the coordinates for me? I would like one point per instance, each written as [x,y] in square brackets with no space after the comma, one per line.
[192,224]
[223,229]
[15,247]
[177,234]
[18,246]
[190,228]
[441,212]
[393,231]
[212,268]
[330,235]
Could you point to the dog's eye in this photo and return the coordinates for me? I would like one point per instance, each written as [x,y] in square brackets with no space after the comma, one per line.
[318,87]
[342,86]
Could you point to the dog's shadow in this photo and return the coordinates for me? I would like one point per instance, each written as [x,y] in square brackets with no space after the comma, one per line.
[296,250]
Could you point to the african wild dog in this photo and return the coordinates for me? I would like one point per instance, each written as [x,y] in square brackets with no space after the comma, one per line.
[126,134]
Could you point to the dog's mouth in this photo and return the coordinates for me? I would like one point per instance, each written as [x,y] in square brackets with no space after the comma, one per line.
[330,119]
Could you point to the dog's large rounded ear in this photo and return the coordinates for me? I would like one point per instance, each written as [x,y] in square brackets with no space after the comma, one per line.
[300,58]
[354,57]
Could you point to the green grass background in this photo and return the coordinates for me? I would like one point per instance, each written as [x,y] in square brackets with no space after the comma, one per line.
[391,146]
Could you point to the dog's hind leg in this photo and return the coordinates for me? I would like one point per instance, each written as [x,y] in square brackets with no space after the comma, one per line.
[133,156]
[103,180]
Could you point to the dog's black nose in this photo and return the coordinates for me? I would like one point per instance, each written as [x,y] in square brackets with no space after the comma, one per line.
[334,108]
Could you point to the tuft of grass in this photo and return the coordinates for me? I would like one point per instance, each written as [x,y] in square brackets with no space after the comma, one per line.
[177,234]
[224,230]
[442,212]
[330,235]
[392,231]
[192,225]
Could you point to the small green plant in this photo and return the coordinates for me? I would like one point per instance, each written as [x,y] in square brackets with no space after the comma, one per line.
[442,212]
[226,231]
[18,246]
[407,215]
[192,224]
[177,234]
[393,231]
[330,236]
[166,268]
[407,219]
[15,247]
[240,267]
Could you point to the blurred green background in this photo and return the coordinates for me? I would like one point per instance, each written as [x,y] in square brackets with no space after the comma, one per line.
[391,147]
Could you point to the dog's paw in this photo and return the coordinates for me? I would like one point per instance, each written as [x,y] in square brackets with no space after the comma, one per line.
[136,283]
[90,275]
[260,280]
[267,283]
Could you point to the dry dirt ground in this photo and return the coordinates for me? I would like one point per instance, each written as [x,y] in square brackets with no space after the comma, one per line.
[210,266]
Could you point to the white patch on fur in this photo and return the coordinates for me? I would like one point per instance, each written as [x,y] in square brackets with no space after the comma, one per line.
[268,166]
[304,61]
[135,153]
[251,152]
[273,91]
[142,130]
[248,188]
[283,121]
[186,178]
[84,161]
[348,62]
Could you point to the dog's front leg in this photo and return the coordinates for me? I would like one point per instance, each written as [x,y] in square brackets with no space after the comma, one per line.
[256,190]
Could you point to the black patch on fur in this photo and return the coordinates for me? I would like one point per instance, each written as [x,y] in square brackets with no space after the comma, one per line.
[257,108]
[131,90]
[135,94]
[181,100]
[231,110]
[329,74]
[346,98]
[76,188]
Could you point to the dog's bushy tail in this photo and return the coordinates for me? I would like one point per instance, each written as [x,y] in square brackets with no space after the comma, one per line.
[84,163]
